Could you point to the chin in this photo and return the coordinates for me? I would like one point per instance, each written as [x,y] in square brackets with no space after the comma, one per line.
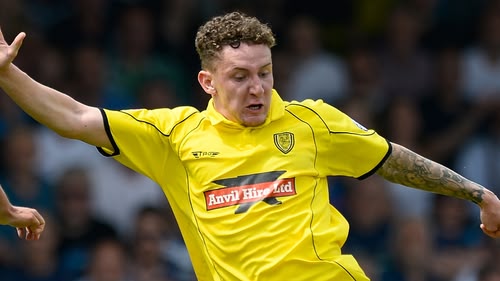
[253,122]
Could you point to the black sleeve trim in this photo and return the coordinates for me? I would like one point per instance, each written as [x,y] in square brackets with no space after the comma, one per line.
[110,136]
[389,151]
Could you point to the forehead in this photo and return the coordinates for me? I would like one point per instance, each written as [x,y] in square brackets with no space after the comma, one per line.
[246,56]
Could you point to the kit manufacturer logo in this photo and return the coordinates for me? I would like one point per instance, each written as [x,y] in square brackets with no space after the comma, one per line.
[202,154]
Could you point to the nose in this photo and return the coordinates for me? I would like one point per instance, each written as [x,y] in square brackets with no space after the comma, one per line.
[256,86]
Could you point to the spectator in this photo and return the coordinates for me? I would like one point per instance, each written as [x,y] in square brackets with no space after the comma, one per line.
[21,180]
[109,261]
[369,210]
[489,272]
[41,256]
[158,93]
[411,251]
[316,73]
[481,67]
[79,228]
[148,262]
[106,179]
[365,99]
[448,119]
[89,80]
[136,191]
[83,22]
[453,237]
[406,68]
[403,124]
[55,154]
[478,159]
[22,185]
[135,59]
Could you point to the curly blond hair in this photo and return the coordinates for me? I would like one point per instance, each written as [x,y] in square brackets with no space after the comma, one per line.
[230,29]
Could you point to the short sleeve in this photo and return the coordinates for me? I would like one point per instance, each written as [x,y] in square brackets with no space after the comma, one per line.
[346,148]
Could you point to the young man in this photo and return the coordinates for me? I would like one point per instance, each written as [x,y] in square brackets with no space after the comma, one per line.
[247,177]
[28,222]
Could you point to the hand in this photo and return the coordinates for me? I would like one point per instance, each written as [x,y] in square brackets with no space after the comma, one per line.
[490,215]
[28,222]
[9,52]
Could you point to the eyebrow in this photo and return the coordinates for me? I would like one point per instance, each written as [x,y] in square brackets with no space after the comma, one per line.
[242,68]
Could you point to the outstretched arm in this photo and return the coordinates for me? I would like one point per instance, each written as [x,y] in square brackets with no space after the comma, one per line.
[28,222]
[50,107]
[410,169]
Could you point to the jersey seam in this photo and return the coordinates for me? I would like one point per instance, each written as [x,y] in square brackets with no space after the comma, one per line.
[154,126]
[310,109]
[181,121]
[352,133]
[316,182]
[345,269]
[191,203]
[324,123]
[117,151]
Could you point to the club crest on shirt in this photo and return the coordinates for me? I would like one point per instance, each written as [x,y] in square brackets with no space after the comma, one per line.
[284,141]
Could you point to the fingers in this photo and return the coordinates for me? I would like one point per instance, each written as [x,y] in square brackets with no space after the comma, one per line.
[32,226]
[32,236]
[27,234]
[21,232]
[19,39]
[492,233]
[35,230]
[17,43]
[40,222]
[9,52]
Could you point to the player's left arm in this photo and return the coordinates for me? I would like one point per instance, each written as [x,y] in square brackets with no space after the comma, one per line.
[408,168]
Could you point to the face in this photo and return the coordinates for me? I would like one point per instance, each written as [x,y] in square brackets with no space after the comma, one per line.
[241,83]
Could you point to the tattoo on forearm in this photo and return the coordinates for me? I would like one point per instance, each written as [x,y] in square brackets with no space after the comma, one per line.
[408,168]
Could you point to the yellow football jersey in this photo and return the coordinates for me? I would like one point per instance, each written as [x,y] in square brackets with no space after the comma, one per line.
[252,202]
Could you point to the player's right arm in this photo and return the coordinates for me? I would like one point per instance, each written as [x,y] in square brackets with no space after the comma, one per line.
[58,111]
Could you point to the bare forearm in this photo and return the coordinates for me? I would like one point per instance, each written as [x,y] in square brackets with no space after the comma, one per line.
[46,105]
[58,111]
[5,207]
[410,169]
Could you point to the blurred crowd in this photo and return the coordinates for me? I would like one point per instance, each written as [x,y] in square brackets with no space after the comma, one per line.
[423,73]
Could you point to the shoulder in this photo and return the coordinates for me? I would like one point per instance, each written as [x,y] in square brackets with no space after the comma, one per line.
[180,112]
[163,119]
[317,107]
[317,113]
[320,113]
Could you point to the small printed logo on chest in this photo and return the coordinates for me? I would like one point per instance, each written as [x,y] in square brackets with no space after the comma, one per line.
[284,141]
[204,154]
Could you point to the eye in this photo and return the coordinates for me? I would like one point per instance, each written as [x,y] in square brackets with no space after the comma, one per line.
[239,77]
[264,74]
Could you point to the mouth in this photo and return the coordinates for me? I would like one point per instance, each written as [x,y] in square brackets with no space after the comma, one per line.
[255,107]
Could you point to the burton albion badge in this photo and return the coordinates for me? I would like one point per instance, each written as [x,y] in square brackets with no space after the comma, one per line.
[284,141]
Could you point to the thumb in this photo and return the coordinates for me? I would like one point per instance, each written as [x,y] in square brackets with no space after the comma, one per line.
[16,45]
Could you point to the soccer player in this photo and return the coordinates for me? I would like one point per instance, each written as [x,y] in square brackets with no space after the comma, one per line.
[247,177]
[27,221]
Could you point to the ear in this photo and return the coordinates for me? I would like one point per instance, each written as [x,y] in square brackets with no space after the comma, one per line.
[206,81]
